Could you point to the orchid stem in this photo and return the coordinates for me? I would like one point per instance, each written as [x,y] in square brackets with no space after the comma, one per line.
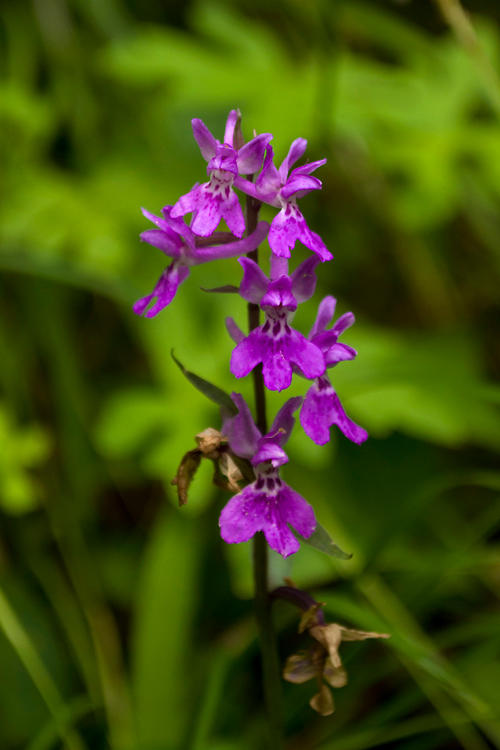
[270,661]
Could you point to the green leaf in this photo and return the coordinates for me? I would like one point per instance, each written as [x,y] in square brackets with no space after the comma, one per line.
[163,650]
[322,541]
[212,392]
[226,289]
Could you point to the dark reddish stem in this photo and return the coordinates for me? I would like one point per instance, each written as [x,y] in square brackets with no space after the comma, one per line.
[270,661]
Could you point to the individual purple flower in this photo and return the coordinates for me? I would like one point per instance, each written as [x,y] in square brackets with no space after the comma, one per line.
[278,346]
[216,199]
[322,407]
[267,504]
[176,239]
[281,189]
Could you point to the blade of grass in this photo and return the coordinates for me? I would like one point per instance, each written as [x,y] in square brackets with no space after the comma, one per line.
[436,677]
[28,654]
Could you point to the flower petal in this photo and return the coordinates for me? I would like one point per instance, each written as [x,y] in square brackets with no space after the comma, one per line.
[163,241]
[309,167]
[300,186]
[269,450]
[233,249]
[279,294]
[153,218]
[317,414]
[178,226]
[312,240]
[350,429]
[204,139]
[234,330]
[296,150]
[241,430]
[232,214]
[321,409]
[250,156]
[276,369]
[231,121]
[207,212]
[249,353]
[345,321]
[278,535]
[165,290]
[254,283]
[303,353]
[268,183]
[243,515]
[187,203]
[296,511]
[304,279]
[284,232]
[326,311]
[284,420]
[339,353]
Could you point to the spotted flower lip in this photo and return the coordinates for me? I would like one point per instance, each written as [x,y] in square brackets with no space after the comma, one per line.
[176,240]
[267,504]
[322,407]
[216,200]
[281,188]
[275,344]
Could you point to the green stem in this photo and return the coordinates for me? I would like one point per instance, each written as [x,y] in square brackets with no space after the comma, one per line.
[270,661]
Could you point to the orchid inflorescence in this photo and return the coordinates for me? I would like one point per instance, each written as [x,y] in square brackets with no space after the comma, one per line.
[266,503]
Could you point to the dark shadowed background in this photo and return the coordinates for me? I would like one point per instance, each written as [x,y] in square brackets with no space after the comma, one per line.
[126,623]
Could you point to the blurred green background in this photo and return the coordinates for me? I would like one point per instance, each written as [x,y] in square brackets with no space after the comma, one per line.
[126,623]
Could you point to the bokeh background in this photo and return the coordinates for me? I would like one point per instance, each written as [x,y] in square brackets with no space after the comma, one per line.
[126,623]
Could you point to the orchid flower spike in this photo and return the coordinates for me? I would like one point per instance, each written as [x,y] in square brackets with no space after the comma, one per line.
[216,199]
[267,504]
[176,239]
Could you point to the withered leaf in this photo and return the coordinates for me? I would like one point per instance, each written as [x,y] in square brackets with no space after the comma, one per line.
[335,676]
[185,473]
[231,470]
[322,702]
[300,668]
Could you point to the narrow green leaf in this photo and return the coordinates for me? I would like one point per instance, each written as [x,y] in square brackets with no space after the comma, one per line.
[322,541]
[212,392]
[226,289]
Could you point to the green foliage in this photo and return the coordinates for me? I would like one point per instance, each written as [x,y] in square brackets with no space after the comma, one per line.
[125,622]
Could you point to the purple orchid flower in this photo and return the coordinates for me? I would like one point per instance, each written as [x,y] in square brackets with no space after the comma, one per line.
[281,189]
[267,504]
[275,343]
[216,199]
[177,240]
[322,407]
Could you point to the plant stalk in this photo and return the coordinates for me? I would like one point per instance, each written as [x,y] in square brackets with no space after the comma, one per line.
[271,672]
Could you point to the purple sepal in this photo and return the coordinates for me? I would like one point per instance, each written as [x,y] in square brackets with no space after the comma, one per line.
[304,279]
[241,431]
[254,283]
[250,156]
[234,330]
[204,139]
[284,421]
